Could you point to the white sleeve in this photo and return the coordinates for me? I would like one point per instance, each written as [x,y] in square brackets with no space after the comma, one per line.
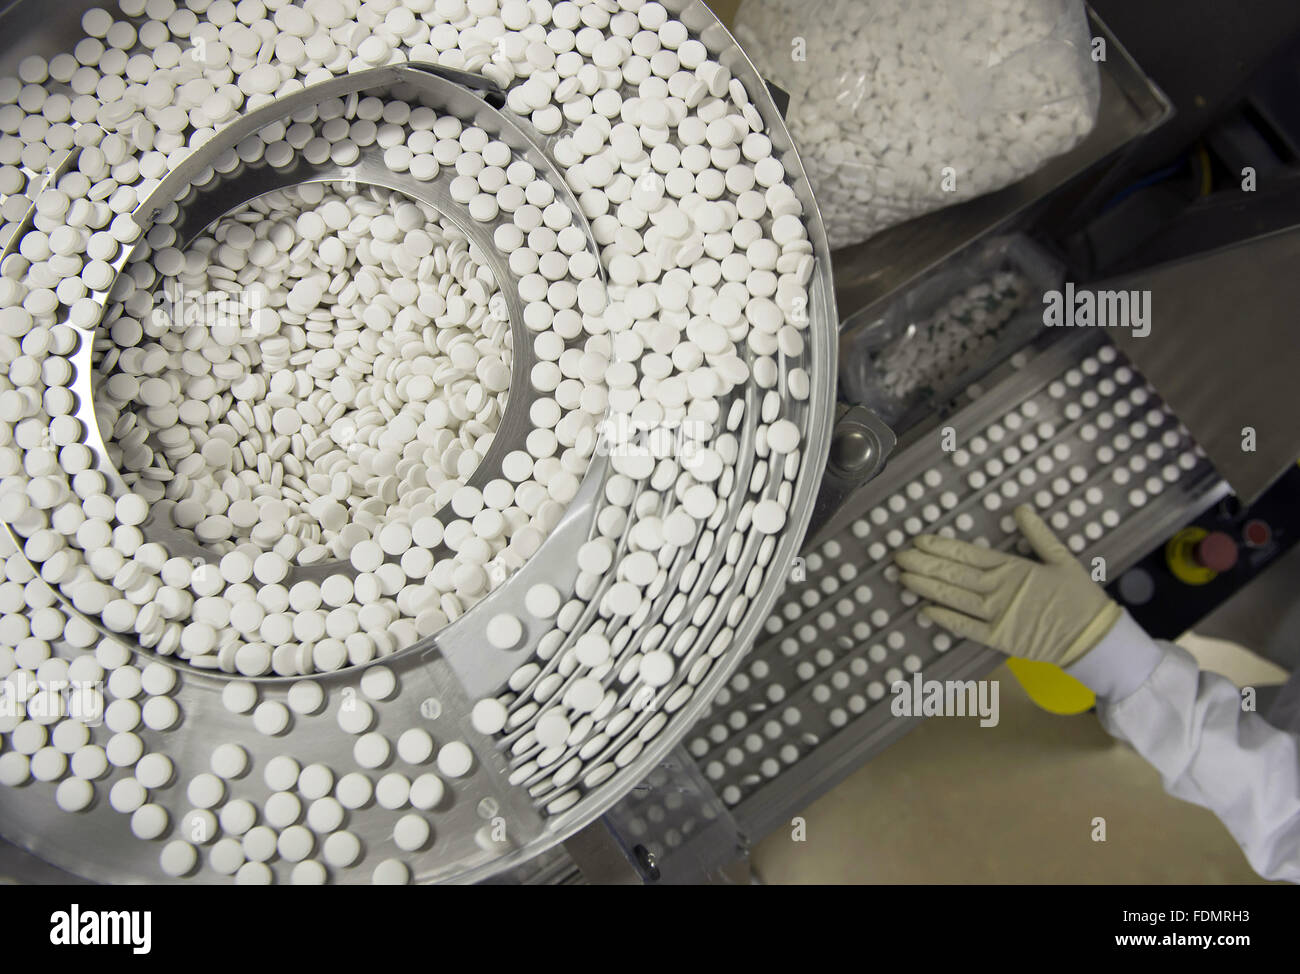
[1190,725]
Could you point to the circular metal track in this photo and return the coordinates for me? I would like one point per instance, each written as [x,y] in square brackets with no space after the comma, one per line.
[485,824]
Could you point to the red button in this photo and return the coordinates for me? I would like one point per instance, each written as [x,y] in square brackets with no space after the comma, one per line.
[1217,551]
[1257,534]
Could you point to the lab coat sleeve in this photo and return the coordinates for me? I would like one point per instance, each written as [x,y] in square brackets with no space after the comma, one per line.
[1191,726]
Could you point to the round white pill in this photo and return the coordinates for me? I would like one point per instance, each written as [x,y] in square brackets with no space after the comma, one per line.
[239,697]
[341,849]
[309,872]
[205,790]
[455,759]
[126,795]
[227,856]
[371,750]
[158,679]
[154,770]
[325,815]
[415,745]
[411,832]
[656,669]
[229,760]
[305,697]
[271,718]
[355,716]
[315,781]
[489,716]
[391,872]
[354,790]
[238,816]
[160,713]
[426,791]
[254,874]
[74,794]
[504,631]
[542,601]
[392,790]
[295,843]
[178,858]
[378,683]
[259,843]
[149,821]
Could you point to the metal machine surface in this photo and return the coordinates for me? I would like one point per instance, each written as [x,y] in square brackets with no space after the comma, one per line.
[810,702]
[440,677]
[1075,431]
[796,719]
[1220,358]
[802,697]
[1073,428]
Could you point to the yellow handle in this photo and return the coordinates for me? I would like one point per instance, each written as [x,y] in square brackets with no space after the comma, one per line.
[1051,687]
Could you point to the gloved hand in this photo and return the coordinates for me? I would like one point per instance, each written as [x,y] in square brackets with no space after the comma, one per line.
[1049,610]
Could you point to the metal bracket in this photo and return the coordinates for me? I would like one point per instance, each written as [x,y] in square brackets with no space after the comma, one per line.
[860,444]
[604,860]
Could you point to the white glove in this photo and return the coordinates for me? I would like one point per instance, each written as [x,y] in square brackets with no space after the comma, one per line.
[1049,611]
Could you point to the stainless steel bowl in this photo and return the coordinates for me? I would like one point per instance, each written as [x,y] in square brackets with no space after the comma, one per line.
[441,676]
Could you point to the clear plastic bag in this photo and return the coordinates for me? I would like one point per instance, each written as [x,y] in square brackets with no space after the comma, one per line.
[899,107]
[927,344]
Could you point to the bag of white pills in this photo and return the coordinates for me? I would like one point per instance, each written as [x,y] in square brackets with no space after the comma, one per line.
[904,355]
[900,107]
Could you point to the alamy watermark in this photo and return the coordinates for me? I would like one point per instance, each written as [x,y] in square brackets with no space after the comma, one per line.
[621,435]
[233,313]
[1083,308]
[946,698]
[48,700]
[75,927]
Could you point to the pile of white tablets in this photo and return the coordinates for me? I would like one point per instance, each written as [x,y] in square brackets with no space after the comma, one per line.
[299,390]
[900,107]
[959,335]
[297,409]
[341,412]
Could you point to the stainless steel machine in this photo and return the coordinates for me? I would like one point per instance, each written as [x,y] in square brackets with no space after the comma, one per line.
[508,808]
[1112,451]
[1121,465]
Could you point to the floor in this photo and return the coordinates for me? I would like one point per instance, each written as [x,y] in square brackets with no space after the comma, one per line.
[956,803]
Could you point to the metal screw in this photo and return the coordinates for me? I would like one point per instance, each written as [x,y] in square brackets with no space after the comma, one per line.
[645,860]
